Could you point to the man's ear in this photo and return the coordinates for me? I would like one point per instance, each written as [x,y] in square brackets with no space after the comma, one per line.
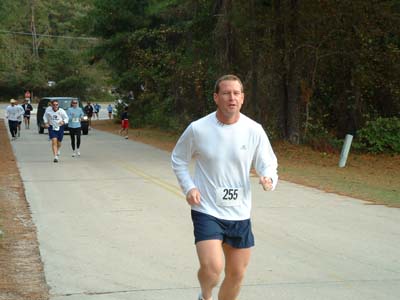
[215,96]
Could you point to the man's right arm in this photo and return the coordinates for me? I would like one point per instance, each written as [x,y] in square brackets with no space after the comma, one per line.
[45,120]
[180,158]
[193,197]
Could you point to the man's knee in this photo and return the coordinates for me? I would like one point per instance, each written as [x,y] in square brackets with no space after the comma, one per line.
[212,269]
[235,271]
[235,275]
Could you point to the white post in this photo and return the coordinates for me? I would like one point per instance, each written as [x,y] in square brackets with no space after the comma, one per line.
[345,150]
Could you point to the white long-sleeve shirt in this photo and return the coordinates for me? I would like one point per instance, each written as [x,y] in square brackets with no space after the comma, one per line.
[54,118]
[22,111]
[14,112]
[224,156]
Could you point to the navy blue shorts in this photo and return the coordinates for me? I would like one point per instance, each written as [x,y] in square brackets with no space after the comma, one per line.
[237,234]
[56,134]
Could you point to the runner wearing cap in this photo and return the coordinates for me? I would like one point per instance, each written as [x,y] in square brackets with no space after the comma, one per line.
[13,115]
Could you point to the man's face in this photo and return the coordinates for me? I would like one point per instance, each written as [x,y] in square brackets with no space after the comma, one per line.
[54,105]
[229,100]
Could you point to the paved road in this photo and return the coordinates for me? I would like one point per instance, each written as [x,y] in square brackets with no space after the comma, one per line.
[113,225]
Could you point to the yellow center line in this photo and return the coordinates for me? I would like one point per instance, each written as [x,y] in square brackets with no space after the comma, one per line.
[165,185]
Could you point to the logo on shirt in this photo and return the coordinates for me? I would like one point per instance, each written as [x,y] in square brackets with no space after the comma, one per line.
[243,147]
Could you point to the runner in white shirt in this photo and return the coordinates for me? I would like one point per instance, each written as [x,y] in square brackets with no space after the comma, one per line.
[55,119]
[22,111]
[225,146]
[13,114]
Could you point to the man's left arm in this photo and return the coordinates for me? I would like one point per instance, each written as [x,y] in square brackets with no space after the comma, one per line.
[64,117]
[265,163]
[21,111]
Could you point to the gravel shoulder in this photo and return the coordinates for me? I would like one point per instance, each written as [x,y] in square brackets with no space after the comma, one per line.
[21,270]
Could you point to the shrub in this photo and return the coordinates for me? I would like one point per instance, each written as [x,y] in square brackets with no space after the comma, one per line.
[320,139]
[380,135]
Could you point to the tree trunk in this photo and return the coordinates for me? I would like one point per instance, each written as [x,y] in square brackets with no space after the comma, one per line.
[293,108]
[278,66]
[35,51]
[224,36]
[254,64]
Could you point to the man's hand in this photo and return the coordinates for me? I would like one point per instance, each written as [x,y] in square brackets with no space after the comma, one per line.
[266,183]
[46,125]
[193,197]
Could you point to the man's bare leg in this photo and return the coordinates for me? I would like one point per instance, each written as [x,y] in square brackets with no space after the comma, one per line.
[236,262]
[211,260]
[58,146]
[54,146]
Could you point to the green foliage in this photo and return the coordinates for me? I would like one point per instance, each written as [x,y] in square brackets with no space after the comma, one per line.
[115,16]
[165,60]
[62,59]
[380,135]
[345,56]
[73,85]
[157,7]
[357,58]
[324,63]
[319,138]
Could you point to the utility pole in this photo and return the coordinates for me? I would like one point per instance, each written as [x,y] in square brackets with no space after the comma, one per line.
[33,31]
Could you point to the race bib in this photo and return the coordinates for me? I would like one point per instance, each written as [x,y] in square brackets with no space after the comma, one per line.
[229,196]
[75,120]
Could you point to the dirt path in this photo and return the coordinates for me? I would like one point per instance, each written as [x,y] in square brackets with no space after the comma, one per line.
[21,269]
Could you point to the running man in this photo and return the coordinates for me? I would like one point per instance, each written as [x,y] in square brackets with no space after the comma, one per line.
[124,122]
[88,109]
[96,109]
[75,115]
[225,145]
[27,113]
[109,110]
[55,119]
[21,114]
[13,115]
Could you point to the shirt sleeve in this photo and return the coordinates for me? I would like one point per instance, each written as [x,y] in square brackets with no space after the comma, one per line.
[181,157]
[21,111]
[265,161]
[64,116]
[45,117]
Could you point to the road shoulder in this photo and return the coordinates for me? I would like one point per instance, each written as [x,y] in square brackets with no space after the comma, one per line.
[21,269]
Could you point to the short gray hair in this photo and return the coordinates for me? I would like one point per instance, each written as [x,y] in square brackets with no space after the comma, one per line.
[229,77]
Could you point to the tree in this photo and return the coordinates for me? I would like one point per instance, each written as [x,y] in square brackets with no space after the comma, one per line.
[307,66]
[37,39]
